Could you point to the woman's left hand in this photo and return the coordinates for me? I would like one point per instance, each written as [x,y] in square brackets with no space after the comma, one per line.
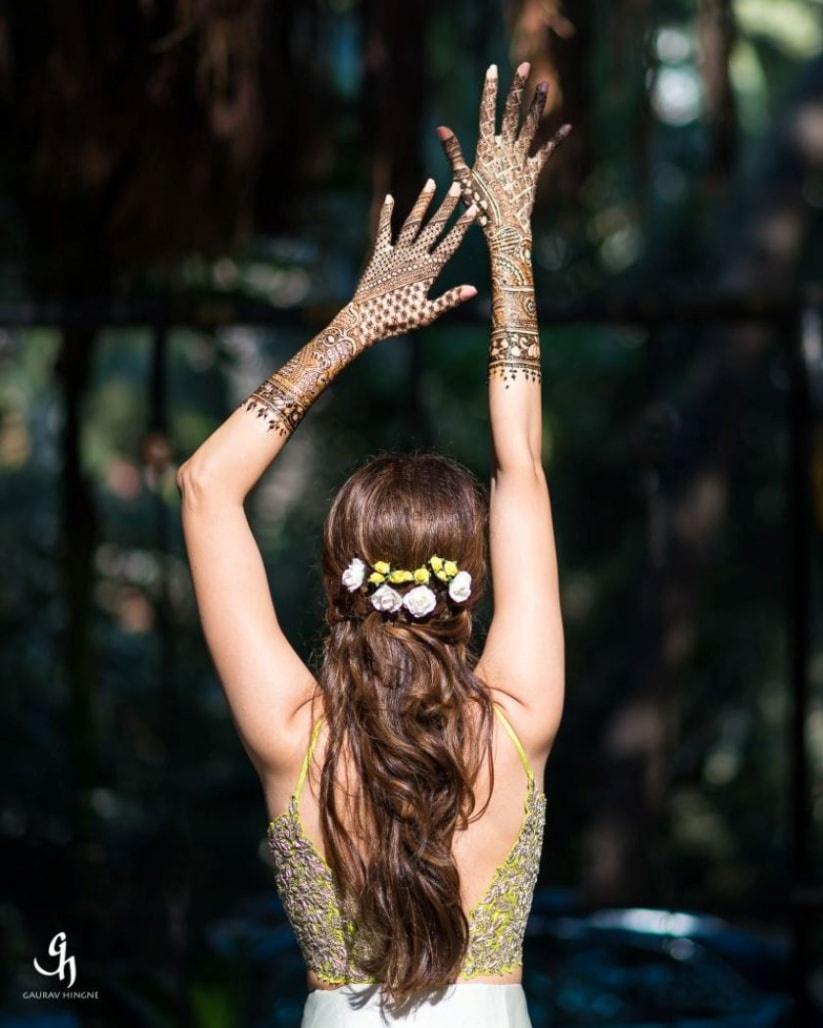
[392,295]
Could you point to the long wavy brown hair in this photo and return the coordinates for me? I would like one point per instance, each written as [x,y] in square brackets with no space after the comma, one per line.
[404,705]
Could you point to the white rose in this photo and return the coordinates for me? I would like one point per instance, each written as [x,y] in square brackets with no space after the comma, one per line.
[386,599]
[460,586]
[354,574]
[419,601]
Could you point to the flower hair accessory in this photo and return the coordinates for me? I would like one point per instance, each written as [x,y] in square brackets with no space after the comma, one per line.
[421,598]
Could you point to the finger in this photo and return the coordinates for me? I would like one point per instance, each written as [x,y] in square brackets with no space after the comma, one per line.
[511,112]
[453,152]
[455,236]
[451,298]
[545,152]
[488,104]
[384,221]
[411,225]
[532,121]
[432,231]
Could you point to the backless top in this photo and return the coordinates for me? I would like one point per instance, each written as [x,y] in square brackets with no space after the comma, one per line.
[328,938]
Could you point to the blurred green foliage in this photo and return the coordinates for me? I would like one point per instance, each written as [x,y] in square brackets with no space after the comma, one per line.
[666,448]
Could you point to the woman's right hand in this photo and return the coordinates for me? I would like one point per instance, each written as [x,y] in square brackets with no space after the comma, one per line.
[392,295]
[503,181]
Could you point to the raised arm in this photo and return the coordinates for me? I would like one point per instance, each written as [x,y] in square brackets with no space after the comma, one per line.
[264,679]
[524,653]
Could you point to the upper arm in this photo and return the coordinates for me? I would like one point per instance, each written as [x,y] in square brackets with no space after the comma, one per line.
[264,679]
[524,651]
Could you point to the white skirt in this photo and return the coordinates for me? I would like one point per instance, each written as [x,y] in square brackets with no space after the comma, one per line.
[476,1005]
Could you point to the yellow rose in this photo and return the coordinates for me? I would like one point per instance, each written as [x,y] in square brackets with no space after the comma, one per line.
[376,578]
[421,575]
[381,567]
[442,576]
[397,576]
[436,563]
[450,568]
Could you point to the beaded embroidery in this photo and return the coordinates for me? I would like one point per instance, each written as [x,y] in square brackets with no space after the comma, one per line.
[329,940]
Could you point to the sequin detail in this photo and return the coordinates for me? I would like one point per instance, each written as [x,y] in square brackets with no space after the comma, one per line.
[329,939]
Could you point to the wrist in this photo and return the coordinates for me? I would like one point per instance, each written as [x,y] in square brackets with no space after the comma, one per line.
[347,334]
[286,395]
[508,234]
[510,251]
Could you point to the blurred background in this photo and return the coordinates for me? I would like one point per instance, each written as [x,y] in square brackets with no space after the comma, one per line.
[187,193]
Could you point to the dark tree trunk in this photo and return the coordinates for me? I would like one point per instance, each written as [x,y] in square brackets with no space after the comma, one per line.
[716,33]
[556,38]
[78,532]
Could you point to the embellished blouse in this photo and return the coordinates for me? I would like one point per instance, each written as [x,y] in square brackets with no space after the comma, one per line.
[327,934]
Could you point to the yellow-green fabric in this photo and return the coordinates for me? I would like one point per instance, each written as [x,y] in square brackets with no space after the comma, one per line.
[327,933]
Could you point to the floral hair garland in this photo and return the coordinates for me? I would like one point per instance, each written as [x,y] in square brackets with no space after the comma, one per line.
[420,599]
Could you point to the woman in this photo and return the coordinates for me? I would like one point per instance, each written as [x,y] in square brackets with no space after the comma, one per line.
[401,781]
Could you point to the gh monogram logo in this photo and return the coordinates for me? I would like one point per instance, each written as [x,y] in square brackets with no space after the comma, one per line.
[57,948]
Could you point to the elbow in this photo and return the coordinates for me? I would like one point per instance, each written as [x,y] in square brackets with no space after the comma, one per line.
[519,452]
[203,483]
[194,481]
[180,477]
[184,477]
[521,465]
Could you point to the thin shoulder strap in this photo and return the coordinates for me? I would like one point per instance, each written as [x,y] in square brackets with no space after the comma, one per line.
[515,739]
[307,759]
[319,723]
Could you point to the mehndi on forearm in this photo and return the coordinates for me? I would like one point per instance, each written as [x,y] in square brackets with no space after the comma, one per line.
[284,397]
[514,346]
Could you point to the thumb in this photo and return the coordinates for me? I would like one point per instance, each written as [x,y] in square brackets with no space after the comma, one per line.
[451,298]
[453,151]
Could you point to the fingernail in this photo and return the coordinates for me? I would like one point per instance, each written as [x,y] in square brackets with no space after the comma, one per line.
[454,189]
[429,185]
[389,198]
[472,210]
[467,292]
[492,72]
[523,69]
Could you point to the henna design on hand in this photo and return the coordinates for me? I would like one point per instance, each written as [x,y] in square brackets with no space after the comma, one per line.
[502,183]
[391,297]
